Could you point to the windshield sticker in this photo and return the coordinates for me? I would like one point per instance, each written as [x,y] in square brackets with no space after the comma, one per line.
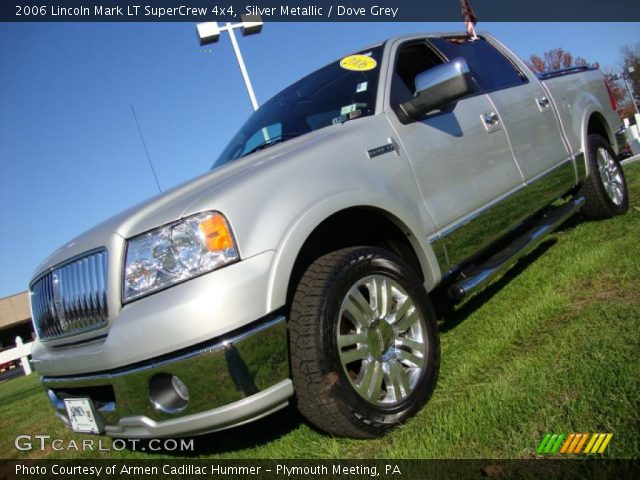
[361,87]
[358,63]
[352,108]
[340,119]
[347,116]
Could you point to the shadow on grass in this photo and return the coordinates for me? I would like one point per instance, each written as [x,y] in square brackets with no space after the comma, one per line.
[450,316]
[572,222]
[251,435]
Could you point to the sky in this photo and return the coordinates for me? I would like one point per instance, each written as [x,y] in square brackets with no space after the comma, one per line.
[70,152]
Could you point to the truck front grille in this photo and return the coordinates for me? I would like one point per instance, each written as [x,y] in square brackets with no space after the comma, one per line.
[71,299]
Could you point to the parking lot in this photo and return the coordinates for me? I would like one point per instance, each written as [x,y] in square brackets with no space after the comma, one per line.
[11,373]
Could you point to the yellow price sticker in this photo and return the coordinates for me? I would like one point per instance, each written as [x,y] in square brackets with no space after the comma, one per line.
[358,63]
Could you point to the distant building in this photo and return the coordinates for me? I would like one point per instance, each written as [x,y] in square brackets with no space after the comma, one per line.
[15,319]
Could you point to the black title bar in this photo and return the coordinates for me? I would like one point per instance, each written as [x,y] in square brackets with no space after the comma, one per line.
[317,469]
[316,10]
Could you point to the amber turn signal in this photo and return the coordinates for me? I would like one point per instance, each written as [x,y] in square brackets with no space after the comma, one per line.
[216,233]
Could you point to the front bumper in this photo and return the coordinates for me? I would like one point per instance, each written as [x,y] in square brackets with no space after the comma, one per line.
[231,380]
[187,314]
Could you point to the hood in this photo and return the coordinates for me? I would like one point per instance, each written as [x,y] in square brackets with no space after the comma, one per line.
[171,205]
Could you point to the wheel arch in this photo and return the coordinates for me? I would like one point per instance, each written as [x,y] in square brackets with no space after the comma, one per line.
[332,225]
[594,122]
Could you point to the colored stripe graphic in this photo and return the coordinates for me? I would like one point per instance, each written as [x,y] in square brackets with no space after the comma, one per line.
[556,446]
[543,443]
[551,443]
[567,443]
[584,439]
[556,443]
[596,446]
[605,443]
[575,442]
[592,440]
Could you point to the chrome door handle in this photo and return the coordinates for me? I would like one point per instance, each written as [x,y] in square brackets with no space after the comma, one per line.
[543,103]
[491,121]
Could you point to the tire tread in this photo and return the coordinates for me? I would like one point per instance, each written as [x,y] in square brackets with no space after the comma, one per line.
[312,388]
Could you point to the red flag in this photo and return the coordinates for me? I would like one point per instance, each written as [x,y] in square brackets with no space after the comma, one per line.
[469,18]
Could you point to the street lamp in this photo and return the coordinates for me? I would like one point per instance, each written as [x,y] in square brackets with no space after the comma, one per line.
[624,77]
[209,32]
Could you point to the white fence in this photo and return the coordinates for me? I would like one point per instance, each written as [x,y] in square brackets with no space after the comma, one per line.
[22,351]
[633,134]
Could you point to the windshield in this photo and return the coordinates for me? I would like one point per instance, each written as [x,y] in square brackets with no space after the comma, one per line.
[341,91]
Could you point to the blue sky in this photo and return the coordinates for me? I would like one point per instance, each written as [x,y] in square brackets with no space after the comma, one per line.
[70,152]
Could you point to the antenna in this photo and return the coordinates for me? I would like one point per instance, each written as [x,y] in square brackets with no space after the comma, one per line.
[153,170]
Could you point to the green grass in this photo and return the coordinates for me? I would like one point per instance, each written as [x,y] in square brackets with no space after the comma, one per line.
[553,346]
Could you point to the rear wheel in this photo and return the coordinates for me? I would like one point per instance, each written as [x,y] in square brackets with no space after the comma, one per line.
[364,342]
[605,189]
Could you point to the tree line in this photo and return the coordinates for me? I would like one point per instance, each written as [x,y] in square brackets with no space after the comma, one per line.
[558,58]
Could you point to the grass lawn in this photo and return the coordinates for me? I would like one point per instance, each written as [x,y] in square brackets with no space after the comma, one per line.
[553,346]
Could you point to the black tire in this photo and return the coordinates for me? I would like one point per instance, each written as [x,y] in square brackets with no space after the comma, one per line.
[325,393]
[599,203]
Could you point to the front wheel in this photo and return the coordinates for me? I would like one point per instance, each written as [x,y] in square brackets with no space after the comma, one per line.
[364,342]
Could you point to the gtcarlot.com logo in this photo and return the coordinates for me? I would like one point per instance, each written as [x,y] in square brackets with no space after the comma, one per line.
[44,442]
[574,443]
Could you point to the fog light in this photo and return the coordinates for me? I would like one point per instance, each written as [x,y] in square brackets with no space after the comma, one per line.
[168,393]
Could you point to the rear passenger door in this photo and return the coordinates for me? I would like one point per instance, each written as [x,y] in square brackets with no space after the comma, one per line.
[524,109]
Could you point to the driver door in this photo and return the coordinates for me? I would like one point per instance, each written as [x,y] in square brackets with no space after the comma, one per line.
[460,156]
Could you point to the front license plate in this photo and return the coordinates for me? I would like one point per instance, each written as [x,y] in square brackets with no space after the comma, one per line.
[81,415]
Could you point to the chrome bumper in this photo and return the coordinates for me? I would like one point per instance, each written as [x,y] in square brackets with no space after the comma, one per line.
[233,380]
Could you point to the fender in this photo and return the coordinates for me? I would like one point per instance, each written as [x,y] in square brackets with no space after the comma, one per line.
[589,112]
[315,213]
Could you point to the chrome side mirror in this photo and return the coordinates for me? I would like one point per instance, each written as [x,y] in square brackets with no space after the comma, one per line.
[436,88]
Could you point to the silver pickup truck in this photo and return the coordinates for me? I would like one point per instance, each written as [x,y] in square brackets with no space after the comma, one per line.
[305,265]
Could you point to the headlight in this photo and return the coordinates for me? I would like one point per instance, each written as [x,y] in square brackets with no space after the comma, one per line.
[176,252]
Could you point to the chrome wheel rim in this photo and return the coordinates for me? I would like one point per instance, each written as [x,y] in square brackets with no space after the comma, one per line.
[382,342]
[610,176]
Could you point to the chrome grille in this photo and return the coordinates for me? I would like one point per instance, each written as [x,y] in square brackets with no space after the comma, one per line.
[71,299]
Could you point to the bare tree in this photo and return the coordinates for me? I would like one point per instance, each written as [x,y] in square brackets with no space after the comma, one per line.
[631,58]
[580,62]
[536,63]
[618,91]
[554,59]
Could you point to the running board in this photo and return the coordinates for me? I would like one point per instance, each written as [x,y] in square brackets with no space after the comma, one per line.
[476,276]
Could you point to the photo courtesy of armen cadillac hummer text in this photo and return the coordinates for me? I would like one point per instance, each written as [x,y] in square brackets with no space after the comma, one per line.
[305,266]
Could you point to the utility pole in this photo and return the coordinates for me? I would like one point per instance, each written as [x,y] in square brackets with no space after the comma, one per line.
[626,83]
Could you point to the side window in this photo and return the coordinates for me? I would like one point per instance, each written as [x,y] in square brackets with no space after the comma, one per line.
[412,58]
[490,69]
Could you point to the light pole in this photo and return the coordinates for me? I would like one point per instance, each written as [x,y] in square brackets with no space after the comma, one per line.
[209,32]
[624,78]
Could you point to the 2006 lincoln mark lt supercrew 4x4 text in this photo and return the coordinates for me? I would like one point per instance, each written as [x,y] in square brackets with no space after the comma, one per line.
[304,265]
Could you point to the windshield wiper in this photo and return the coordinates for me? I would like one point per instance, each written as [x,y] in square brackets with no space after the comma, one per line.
[272,141]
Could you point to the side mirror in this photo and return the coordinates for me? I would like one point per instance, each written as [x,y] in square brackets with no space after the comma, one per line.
[436,88]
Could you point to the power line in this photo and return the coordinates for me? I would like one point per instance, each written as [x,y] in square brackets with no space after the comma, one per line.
[153,170]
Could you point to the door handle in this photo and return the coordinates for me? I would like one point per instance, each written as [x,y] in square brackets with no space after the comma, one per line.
[543,103]
[491,121]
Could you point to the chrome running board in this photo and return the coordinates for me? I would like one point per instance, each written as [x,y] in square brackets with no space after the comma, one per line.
[474,277]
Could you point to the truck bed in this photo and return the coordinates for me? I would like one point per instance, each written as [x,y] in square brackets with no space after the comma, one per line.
[575,92]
